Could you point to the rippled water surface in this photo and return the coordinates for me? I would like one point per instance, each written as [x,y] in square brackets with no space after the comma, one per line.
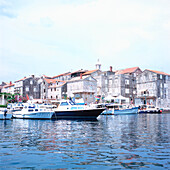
[111,142]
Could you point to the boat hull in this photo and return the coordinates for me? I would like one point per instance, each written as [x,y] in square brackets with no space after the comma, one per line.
[77,114]
[126,111]
[150,111]
[33,115]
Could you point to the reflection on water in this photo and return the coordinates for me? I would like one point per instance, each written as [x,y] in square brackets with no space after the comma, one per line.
[127,141]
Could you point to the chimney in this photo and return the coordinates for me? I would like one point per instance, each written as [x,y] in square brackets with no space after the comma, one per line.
[80,75]
[110,68]
[10,83]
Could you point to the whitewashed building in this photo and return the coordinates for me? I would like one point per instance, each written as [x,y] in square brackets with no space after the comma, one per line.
[19,86]
[153,87]
[57,90]
[82,87]
[8,88]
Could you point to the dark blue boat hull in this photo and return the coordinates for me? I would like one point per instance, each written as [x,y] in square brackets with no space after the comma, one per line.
[78,114]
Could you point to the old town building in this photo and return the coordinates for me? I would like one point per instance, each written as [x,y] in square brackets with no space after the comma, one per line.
[153,87]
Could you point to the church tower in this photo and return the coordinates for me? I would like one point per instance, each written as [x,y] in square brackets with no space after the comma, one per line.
[98,65]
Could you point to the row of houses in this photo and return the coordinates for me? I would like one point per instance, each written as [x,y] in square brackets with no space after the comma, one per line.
[139,87]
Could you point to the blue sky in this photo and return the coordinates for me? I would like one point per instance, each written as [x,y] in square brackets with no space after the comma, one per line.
[56,36]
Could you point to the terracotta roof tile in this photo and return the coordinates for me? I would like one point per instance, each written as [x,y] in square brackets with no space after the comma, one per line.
[159,72]
[64,74]
[89,72]
[6,86]
[21,79]
[53,80]
[127,70]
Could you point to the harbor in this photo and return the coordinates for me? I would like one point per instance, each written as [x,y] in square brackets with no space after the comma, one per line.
[84,85]
[138,141]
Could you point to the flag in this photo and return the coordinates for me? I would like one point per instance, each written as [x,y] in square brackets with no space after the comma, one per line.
[27,96]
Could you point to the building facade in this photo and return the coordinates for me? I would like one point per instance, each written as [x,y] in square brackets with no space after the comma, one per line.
[124,83]
[57,90]
[82,87]
[153,87]
[32,87]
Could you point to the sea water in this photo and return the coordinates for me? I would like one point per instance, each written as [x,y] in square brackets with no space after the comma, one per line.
[111,142]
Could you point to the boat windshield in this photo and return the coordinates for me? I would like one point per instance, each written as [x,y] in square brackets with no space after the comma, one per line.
[151,107]
[72,103]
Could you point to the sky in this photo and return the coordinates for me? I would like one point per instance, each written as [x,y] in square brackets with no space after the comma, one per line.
[52,37]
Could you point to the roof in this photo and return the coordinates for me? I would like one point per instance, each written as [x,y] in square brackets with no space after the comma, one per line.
[158,72]
[79,78]
[21,79]
[64,74]
[78,71]
[90,72]
[127,70]
[46,76]
[50,80]
[6,86]
[53,80]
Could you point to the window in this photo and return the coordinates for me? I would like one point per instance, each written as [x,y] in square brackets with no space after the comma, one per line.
[44,90]
[116,81]
[54,89]
[51,97]
[90,95]
[64,104]
[56,97]
[35,89]
[51,89]
[160,76]
[27,89]
[126,90]
[31,82]
[126,82]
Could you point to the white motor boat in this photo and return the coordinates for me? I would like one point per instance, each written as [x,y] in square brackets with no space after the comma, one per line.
[31,111]
[149,109]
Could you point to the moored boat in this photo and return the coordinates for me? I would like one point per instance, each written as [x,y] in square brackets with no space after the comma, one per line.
[69,109]
[149,109]
[118,109]
[32,111]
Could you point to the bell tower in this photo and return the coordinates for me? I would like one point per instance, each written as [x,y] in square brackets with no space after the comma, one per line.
[98,65]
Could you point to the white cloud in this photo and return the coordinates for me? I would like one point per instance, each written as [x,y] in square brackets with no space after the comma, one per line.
[81,31]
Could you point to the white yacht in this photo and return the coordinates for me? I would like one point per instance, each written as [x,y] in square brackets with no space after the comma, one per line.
[31,111]
[149,109]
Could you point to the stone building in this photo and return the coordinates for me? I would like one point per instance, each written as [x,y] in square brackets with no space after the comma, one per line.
[124,83]
[82,87]
[153,87]
[63,77]
[57,90]
[45,83]
[104,83]
[32,87]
